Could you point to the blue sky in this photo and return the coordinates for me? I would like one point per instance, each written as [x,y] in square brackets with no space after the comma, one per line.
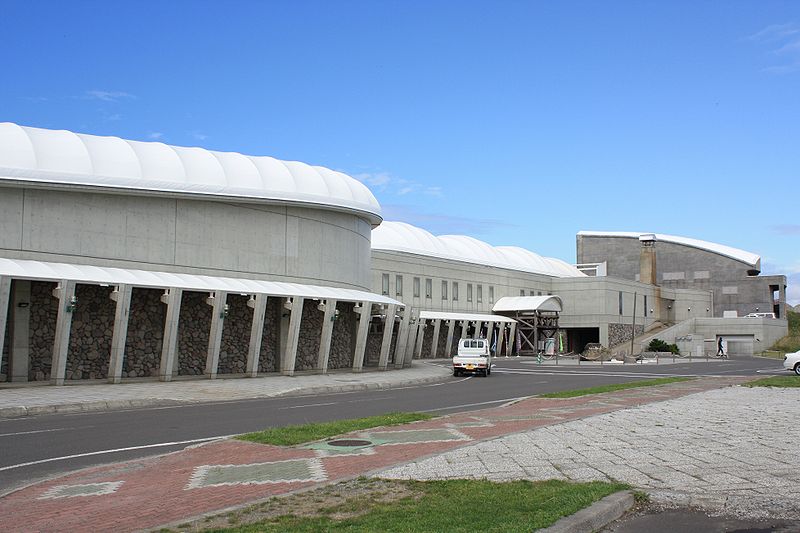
[519,123]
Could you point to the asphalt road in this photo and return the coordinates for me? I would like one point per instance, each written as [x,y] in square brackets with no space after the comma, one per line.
[41,447]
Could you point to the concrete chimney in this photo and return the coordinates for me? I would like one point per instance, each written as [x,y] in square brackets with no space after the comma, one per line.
[647,259]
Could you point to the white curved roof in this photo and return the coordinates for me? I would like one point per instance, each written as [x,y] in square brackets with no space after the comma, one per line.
[508,304]
[43,270]
[751,259]
[35,155]
[402,237]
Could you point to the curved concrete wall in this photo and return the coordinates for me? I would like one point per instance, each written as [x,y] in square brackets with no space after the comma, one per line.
[279,243]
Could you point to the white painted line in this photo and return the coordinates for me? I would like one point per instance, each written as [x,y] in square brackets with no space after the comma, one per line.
[117,450]
[306,405]
[473,404]
[31,432]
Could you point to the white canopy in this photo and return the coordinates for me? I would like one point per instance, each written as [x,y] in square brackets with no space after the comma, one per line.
[38,270]
[510,304]
[472,317]
[58,158]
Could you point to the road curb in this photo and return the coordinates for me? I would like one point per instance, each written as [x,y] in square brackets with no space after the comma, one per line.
[113,405]
[596,516]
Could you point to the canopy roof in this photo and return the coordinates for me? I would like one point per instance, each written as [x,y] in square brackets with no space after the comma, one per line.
[402,237]
[511,304]
[749,258]
[38,270]
[58,158]
[472,317]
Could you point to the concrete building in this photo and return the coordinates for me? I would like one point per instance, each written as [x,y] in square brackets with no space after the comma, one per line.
[732,275]
[123,259]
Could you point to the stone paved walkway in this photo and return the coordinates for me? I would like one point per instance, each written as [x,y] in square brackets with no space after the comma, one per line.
[147,493]
[733,450]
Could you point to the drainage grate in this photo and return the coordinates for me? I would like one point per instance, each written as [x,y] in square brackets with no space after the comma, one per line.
[349,442]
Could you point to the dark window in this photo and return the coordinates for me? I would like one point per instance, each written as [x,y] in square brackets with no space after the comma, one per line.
[416,287]
[469,292]
[491,294]
[455,291]
[398,285]
[385,284]
[428,288]
[620,303]
[480,293]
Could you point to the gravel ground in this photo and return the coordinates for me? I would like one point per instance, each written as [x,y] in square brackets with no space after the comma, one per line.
[731,451]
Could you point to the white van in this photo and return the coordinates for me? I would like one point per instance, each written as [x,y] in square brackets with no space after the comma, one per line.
[473,357]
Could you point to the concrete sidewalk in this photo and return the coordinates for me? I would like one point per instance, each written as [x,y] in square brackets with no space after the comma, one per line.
[147,493]
[16,400]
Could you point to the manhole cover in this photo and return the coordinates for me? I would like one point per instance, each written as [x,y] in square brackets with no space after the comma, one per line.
[349,442]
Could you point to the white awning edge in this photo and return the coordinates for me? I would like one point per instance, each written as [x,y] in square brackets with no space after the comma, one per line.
[510,304]
[47,271]
[473,317]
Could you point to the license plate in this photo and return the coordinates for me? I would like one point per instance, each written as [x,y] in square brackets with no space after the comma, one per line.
[470,367]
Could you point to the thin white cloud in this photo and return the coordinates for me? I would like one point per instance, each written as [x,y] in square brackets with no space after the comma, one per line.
[440,224]
[108,96]
[786,229]
[386,182]
[198,136]
[783,43]
[155,135]
[775,31]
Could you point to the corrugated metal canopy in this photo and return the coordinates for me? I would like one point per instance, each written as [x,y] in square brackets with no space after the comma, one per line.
[510,304]
[49,158]
[39,270]
[472,317]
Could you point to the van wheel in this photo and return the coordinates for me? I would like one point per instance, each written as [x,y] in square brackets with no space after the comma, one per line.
[797,369]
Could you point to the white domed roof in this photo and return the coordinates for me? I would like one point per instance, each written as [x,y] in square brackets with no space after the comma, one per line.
[58,157]
[402,237]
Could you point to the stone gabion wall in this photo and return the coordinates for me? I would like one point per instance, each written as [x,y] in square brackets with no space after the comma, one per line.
[343,339]
[44,312]
[235,336]
[442,342]
[89,350]
[393,346]
[619,333]
[194,327]
[145,333]
[372,354]
[268,359]
[308,340]
[427,342]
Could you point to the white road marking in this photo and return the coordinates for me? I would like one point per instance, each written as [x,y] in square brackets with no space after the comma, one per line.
[306,405]
[473,404]
[31,432]
[117,450]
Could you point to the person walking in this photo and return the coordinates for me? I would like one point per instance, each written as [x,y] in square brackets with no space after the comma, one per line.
[720,349]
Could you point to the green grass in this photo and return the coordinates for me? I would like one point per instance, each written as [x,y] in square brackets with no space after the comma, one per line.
[299,434]
[452,506]
[612,388]
[776,381]
[791,342]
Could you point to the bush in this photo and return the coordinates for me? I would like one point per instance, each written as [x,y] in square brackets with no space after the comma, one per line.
[657,345]
[791,342]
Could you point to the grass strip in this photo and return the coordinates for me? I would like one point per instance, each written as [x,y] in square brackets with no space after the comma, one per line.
[611,388]
[299,434]
[776,381]
[450,506]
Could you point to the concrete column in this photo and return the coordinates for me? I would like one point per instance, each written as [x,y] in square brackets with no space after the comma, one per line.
[512,339]
[122,295]
[361,336]
[411,339]
[478,326]
[489,332]
[169,346]
[420,337]
[5,298]
[326,335]
[451,326]
[20,342]
[388,329]
[65,293]
[290,350]
[437,324]
[259,305]
[402,339]
[215,332]
[464,326]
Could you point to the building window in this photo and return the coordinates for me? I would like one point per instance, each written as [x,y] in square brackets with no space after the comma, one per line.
[620,303]
[469,292]
[455,291]
[480,293]
[416,287]
[398,285]
[385,284]
[444,290]
[540,293]
[428,288]
[522,292]
[491,294]
[645,305]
